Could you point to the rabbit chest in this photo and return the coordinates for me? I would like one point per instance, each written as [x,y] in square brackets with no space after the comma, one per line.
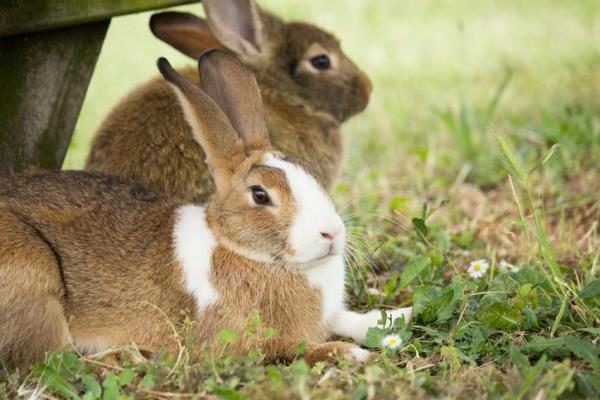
[290,302]
[228,288]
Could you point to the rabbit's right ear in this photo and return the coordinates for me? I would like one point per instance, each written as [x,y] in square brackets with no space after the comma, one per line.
[210,126]
[186,32]
[237,24]
[233,87]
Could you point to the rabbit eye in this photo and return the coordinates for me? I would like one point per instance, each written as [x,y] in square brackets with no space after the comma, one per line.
[321,62]
[260,196]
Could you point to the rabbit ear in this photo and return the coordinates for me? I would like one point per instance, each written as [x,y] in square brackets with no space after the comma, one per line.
[210,127]
[237,24]
[186,32]
[233,87]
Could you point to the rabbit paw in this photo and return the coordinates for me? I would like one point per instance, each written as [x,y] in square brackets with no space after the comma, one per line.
[334,351]
[358,355]
[405,312]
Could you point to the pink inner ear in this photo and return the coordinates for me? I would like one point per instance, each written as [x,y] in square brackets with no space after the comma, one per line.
[187,33]
[237,24]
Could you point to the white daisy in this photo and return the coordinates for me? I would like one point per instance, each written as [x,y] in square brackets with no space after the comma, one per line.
[505,266]
[392,341]
[478,268]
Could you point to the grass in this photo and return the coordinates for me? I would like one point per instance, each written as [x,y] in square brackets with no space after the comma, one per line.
[482,141]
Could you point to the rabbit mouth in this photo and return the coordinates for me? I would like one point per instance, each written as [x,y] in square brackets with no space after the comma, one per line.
[303,265]
[324,257]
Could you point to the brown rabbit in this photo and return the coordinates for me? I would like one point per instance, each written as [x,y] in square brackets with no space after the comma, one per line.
[92,261]
[308,86]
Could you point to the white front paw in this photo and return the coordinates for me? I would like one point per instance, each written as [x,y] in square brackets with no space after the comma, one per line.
[358,355]
[405,312]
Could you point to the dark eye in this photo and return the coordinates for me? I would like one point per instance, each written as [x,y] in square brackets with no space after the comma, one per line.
[260,196]
[321,62]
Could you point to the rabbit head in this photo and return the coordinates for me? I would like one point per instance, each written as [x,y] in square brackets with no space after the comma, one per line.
[297,59]
[265,207]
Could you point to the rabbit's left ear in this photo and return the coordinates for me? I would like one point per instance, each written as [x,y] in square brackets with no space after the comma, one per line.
[210,126]
[186,32]
[236,24]
[233,87]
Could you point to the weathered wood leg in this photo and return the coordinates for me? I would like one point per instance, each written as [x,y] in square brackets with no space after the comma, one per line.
[43,80]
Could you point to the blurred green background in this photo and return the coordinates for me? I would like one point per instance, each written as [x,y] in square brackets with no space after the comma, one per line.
[445,73]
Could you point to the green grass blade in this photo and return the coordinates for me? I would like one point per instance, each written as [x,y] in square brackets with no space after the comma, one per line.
[512,160]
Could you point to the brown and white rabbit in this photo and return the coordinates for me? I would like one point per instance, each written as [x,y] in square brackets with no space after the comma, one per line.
[93,261]
[308,86]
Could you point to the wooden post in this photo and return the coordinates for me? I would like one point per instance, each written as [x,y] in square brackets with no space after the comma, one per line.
[48,50]
[43,80]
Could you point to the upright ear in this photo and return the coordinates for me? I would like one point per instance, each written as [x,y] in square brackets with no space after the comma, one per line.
[233,87]
[237,25]
[186,32]
[210,127]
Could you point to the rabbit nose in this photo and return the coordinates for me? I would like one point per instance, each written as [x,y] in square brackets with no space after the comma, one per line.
[327,235]
[330,234]
[364,83]
[368,84]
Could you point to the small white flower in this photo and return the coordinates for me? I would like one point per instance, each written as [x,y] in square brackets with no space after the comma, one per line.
[392,341]
[374,292]
[505,266]
[478,268]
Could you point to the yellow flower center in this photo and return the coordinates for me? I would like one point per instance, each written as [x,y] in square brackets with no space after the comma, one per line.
[476,267]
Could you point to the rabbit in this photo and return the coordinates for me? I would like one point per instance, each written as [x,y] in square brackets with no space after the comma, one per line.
[308,86]
[93,261]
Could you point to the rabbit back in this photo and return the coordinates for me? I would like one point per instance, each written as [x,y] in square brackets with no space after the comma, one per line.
[145,138]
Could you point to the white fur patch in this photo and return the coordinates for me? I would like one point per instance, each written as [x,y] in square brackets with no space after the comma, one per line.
[194,246]
[328,276]
[315,215]
[359,355]
[355,325]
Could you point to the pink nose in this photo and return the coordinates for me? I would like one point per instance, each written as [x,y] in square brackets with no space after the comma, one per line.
[328,235]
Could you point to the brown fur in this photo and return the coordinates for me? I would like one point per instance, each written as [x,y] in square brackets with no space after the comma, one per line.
[145,137]
[28,306]
[89,259]
[93,229]
[257,228]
